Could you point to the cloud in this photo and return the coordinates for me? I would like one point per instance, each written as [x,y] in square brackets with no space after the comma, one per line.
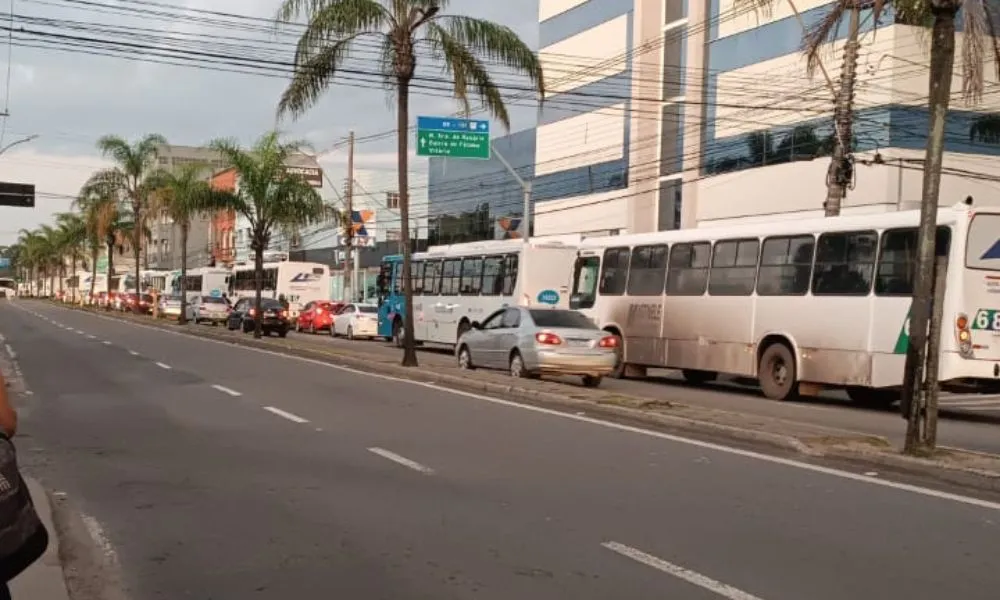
[71,98]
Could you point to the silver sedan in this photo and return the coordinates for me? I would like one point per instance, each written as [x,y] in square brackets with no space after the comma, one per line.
[537,341]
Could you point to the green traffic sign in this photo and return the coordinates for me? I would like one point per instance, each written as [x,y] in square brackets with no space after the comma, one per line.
[453,138]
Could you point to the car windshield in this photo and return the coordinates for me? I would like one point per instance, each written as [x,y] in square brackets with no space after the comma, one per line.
[561,318]
[211,300]
[147,297]
[269,304]
[368,309]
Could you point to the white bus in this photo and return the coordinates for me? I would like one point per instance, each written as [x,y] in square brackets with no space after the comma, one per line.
[458,285]
[299,282]
[202,281]
[820,302]
[156,279]
[8,287]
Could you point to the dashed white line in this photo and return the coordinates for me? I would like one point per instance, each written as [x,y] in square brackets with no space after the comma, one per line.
[402,460]
[226,390]
[106,343]
[10,351]
[133,353]
[692,577]
[164,366]
[91,337]
[285,415]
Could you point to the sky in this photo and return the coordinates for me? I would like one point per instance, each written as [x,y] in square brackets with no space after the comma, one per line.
[68,96]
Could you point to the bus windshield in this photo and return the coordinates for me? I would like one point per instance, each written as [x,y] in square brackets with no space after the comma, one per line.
[585,282]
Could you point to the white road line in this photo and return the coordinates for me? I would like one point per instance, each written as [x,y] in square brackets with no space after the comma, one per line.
[692,577]
[10,351]
[402,460]
[285,415]
[732,451]
[164,366]
[133,353]
[226,390]
[91,337]
[106,343]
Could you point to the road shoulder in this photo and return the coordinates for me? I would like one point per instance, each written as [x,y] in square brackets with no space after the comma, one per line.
[44,580]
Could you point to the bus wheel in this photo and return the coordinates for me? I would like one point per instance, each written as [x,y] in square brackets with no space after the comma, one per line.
[776,373]
[873,397]
[698,377]
[398,333]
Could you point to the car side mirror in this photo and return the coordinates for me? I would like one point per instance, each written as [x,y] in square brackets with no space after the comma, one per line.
[477,325]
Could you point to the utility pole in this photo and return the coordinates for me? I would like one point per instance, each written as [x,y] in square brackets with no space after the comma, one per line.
[349,226]
[526,194]
[841,171]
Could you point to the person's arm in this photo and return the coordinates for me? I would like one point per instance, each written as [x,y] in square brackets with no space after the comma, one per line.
[8,416]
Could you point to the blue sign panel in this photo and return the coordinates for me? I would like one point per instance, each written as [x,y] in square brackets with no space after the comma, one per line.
[216,293]
[449,124]
[548,297]
[992,253]
[4,263]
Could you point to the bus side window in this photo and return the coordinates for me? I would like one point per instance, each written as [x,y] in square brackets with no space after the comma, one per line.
[898,259]
[417,277]
[451,273]
[397,278]
[472,276]
[432,278]
[647,271]
[845,263]
[785,266]
[585,282]
[492,279]
[734,268]
[688,274]
[510,268]
[614,272]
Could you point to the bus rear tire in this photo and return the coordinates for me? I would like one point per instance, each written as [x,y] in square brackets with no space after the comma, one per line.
[777,374]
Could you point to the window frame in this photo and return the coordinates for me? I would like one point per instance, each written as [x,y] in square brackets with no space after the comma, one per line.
[873,263]
[671,267]
[617,250]
[630,280]
[789,238]
[736,258]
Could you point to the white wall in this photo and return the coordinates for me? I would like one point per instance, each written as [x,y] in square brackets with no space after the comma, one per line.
[586,139]
[736,16]
[550,8]
[797,190]
[582,214]
[586,57]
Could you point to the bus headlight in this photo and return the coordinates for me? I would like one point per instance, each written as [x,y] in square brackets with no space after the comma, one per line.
[964,335]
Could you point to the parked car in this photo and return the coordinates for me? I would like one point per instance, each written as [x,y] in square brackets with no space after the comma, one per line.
[170,307]
[273,320]
[356,320]
[141,304]
[317,316]
[531,342]
[208,309]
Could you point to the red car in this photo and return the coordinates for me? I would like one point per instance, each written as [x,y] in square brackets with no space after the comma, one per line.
[317,316]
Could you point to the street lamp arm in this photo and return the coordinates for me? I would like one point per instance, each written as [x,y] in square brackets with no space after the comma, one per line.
[16,142]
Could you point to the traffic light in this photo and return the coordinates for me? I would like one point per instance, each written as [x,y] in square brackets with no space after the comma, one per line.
[17,194]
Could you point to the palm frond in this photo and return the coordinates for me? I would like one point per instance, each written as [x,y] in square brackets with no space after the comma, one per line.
[465,68]
[313,73]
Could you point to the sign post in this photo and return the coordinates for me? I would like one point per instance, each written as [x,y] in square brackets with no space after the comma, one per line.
[453,138]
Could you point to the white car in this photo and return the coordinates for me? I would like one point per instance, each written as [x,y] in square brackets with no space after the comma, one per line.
[208,309]
[356,320]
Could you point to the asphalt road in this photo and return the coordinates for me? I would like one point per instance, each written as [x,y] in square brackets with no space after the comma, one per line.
[221,472]
[957,427]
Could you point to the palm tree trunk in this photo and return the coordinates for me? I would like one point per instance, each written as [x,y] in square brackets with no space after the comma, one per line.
[402,139]
[111,271]
[62,274]
[137,246]
[915,400]
[184,262]
[93,270]
[258,283]
[76,288]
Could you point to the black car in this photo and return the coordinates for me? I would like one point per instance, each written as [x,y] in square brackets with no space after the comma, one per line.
[274,317]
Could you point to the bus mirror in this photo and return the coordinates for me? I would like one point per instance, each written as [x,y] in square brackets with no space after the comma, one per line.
[574,300]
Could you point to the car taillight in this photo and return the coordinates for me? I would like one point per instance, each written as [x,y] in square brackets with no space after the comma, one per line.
[608,341]
[548,339]
[319,311]
[282,313]
[253,311]
[964,335]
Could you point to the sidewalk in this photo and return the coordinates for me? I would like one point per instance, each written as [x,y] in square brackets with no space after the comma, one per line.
[44,579]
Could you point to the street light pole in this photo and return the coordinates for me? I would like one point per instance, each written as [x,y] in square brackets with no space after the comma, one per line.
[526,191]
[17,142]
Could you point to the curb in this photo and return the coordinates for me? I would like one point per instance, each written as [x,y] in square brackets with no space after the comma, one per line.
[870,449]
[43,580]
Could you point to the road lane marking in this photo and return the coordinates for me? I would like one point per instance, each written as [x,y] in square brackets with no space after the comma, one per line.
[106,343]
[715,447]
[402,460]
[692,577]
[285,415]
[164,366]
[133,353]
[91,337]
[226,390]
[10,351]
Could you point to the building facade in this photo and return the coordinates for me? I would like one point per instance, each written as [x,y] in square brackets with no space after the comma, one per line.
[662,114]
[223,231]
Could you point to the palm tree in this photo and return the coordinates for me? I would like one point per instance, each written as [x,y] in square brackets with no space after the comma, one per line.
[985,129]
[267,196]
[107,223]
[130,177]
[73,235]
[182,194]
[462,43]
[31,243]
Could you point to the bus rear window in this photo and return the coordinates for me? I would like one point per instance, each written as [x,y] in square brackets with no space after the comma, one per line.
[982,249]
